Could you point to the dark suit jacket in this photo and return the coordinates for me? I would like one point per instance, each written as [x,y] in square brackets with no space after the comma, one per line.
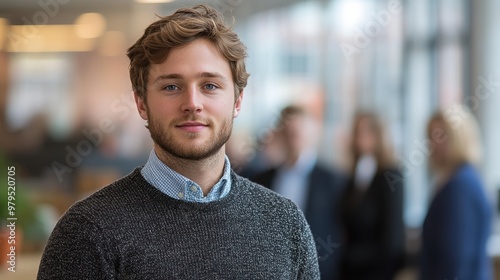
[456,230]
[374,229]
[324,191]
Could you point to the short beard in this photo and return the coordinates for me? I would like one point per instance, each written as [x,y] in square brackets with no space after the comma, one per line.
[166,141]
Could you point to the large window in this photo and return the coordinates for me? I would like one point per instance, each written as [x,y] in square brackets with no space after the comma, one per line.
[401,59]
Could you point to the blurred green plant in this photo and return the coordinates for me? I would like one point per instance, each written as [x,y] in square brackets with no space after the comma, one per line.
[24,211]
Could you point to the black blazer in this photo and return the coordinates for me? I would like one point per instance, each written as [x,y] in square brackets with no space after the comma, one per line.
[322,213]
[374,229]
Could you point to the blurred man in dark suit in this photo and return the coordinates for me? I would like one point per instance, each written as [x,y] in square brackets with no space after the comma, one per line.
[313,187]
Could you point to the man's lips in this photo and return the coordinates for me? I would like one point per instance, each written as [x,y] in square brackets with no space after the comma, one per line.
[192,126]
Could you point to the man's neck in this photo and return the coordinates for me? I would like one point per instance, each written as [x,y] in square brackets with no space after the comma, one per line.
[205,172]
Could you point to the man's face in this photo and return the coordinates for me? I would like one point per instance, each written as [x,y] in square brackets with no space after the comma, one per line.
[298,132]
[190,101]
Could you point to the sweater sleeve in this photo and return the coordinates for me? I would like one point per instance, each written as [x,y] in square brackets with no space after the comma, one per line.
[76,249]
[308,260]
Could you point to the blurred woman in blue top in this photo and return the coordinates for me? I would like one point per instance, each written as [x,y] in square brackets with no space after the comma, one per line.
[457,225]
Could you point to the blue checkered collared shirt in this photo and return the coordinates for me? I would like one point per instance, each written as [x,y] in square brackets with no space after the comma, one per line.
[173,184]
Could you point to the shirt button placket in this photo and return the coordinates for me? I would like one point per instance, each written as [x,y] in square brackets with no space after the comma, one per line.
[193,188]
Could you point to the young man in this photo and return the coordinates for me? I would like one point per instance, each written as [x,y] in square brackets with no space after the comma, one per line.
[185,214]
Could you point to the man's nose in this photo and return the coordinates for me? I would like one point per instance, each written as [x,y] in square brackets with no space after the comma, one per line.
[192,100]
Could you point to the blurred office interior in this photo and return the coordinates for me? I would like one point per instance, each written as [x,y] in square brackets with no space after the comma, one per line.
[69,124]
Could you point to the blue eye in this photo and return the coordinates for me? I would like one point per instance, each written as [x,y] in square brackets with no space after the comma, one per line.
[170,87]
[210,87]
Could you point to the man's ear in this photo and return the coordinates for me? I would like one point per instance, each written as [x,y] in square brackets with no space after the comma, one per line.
[141,106]
[237,104]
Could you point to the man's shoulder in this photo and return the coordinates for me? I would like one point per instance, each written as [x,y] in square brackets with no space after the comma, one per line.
[111,197]
[328,177]
[323,169]
[265,177]
[261,196]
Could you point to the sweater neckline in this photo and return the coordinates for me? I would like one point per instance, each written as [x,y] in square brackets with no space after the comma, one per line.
[154,193]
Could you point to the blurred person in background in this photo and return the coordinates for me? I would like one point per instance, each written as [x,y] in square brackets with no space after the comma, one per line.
[255,156]
[185,214]
[457,225]
[315,188]
[372,206]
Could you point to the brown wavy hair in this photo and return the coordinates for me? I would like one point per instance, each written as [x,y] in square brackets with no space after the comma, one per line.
[384,151]
[180,28]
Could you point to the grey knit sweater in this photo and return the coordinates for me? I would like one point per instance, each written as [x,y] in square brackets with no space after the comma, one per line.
[130,230]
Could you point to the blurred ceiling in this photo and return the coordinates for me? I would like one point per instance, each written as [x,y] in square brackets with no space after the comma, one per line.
[65,11]
[124,18]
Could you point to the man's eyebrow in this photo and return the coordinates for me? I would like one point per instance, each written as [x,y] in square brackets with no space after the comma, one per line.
[200,75]
[167,77]
[211,75]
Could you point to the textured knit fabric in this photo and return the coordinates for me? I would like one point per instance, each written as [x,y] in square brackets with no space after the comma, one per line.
[130,230]
[177,186]
[324,191]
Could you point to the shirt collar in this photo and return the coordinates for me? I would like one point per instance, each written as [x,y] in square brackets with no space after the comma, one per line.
[305,163]
[179,187]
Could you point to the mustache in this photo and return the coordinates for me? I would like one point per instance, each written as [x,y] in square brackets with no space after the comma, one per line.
[191,118]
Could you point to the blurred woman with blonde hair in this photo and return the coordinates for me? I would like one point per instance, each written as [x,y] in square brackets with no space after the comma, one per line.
[458,222]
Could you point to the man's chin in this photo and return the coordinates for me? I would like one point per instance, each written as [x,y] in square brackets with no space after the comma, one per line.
[193,154]
[191,150]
